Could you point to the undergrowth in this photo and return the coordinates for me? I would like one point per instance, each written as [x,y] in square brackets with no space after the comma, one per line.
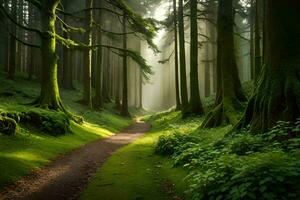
[239,165]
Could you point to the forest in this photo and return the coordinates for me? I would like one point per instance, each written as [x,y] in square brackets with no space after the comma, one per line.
[149,99]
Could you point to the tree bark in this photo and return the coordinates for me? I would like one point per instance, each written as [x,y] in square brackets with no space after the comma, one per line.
[183,84]
[195,104]
[277,94]
[87,63]
[98,89]
[124,108]
[229,96]
[13,45]
[49,96]
[257,65]
[177,91]
[67,80]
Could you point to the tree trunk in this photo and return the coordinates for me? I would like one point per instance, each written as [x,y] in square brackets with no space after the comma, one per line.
[87,63]
[13,45]
[252,39]
[124,108]
[183,84]
[106,77]
[98,86]
[177,91]
[141,89]
[31,38]
[277,95]
[257,65]
[230,96]
[117,84]
[67,80]
[195,104]
[49,97]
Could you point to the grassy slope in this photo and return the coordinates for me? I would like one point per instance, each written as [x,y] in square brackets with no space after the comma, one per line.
[135,172]
[30,149]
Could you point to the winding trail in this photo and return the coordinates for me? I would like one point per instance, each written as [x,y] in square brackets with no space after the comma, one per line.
[66,177]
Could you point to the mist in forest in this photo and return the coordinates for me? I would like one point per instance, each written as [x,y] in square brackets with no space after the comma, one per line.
[159,92]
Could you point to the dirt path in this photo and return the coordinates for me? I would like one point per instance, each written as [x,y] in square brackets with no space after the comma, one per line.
[66,177]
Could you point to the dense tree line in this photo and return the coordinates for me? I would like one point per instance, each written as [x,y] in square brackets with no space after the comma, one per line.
[92,47]
[74,45]
[274,98]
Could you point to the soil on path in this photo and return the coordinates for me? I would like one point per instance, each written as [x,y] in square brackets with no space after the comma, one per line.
[66,177]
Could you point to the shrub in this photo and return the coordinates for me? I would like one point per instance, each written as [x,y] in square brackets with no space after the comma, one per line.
[50,122]
[245,143]
[241,165]
[167,144]
[267,176]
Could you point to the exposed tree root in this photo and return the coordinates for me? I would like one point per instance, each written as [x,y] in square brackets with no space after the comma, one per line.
[8,125]
[226,112]
[277,98]
[57,106]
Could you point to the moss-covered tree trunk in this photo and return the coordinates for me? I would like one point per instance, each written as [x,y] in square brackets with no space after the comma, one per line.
[124,107]
[49,97]
[183,84]
[229,96]
[177,91]
[277,95]
[195,104]
[87,57]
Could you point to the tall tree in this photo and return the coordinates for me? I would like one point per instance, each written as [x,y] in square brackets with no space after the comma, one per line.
[229,96]
[277,92]
[124,108]
[195,105]
[49,97]
[257,37]
[98,86]
[183,84]
[177,91]
[67,80]
[87,63]
[13,44]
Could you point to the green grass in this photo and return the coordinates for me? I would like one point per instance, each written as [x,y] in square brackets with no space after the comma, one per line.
[135,172]
[29,148]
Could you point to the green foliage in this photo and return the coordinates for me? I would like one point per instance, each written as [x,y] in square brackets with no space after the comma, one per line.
[167,144]
[146,27]
[283,131]
[142,62]
[243,144]
[239,165]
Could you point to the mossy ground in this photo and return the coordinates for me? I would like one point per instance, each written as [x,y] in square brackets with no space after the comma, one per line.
[30,148]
